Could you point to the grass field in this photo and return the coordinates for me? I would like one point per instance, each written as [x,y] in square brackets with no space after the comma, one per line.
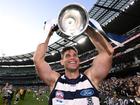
[30,99]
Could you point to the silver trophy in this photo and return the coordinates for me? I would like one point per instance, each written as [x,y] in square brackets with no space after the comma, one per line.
[74,20]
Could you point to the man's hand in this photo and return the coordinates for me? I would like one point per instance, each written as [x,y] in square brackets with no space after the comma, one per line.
[52,29]
[55,28]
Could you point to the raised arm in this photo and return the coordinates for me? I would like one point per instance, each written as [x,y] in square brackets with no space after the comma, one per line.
[42,67]
[103,61]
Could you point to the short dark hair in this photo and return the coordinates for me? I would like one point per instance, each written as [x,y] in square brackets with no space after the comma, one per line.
[68,48]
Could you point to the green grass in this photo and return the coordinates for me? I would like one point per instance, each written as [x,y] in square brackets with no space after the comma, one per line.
[30,100]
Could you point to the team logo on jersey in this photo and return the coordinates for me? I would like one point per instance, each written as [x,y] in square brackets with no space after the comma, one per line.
[59,94]
[87,92]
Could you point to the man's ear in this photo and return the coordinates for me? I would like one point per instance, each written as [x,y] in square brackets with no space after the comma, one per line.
[61,61]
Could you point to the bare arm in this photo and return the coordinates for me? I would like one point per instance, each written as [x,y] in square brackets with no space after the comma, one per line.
[103,61]
[43,68]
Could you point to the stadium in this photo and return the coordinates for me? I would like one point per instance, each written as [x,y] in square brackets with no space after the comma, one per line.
[120,20]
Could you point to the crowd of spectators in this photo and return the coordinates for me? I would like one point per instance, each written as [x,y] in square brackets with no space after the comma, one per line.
[120,91]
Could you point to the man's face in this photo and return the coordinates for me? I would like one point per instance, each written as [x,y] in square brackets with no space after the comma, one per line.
[70,60]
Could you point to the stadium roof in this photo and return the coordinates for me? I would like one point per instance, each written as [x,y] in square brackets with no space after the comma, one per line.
[115,16]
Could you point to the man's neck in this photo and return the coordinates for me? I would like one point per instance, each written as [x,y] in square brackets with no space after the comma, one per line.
[72,75]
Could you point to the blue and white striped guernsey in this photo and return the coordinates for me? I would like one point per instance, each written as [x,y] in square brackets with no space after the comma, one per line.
[78,91]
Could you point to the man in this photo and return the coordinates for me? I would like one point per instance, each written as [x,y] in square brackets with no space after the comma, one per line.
[5,94]
[10,94]
[74,87]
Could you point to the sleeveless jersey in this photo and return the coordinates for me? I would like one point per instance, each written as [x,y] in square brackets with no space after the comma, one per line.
[78,91]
